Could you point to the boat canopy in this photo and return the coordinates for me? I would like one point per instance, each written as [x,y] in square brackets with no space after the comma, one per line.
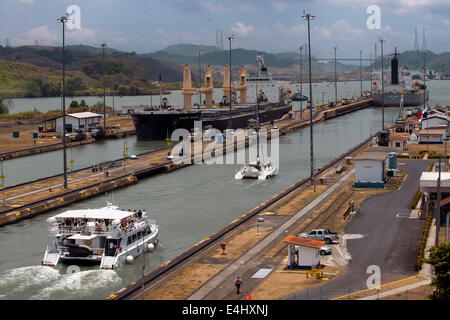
[111,213]
[82,237]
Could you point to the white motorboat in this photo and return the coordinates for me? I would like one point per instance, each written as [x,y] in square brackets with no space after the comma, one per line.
[257,170]
[107,236]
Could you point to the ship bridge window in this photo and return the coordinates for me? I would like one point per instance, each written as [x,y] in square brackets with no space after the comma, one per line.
[129,240]
[134,237]
[139,235]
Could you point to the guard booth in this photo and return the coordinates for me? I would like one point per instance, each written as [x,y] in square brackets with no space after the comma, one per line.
[303,253]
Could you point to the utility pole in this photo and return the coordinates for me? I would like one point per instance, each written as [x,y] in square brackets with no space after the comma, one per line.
[104,85]
[301,82]
[335,78]
[230,38]
[371,73]
[63,20]
[200,75]
[438,204]
[308,17]
[3,182]
[382,85]
[360,71]
[424,79]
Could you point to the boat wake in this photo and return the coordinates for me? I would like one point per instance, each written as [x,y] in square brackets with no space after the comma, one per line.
[37,282]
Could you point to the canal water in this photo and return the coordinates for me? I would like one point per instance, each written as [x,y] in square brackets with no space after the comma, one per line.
[188,204]
[438,94]
[345,89]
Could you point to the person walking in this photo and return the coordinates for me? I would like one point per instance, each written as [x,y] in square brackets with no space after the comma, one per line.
[238,283]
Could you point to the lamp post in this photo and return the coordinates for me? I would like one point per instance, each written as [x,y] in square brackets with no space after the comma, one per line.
[103,45]
[382,86]
[424,79]
[230,38]
[360,71]
[301,82]
[308,17]
[371,73]
[63,20]
[335,77]
[200,81]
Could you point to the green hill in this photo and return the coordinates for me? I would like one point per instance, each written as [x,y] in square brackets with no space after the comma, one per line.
[190,50]
[76,56]
[415,59]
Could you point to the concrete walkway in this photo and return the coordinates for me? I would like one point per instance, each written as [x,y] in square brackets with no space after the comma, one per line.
[237,266]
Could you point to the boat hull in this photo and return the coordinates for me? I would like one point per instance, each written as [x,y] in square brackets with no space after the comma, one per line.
[159,126]
[393,99]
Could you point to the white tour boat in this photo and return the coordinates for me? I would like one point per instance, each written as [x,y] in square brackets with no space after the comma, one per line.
[107,236]
[257,169]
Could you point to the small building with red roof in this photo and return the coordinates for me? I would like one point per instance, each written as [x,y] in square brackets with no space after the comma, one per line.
[303,253]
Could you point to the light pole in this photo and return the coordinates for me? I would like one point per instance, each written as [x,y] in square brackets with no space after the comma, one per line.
[335,77]
[301,82]
[424,79]
[308,17]
[200,81]
[371,74]
[360,71]
[3,182]
[382,86]
[104,85]
[230,38]
[63,20]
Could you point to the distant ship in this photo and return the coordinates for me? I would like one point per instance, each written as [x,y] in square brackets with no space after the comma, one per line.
[414,93]
[158,123]
[297,96]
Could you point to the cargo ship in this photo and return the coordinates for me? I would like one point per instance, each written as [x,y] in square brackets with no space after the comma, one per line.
[158,123]
[414,93]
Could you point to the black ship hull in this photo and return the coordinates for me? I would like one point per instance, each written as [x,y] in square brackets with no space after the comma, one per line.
[160,125]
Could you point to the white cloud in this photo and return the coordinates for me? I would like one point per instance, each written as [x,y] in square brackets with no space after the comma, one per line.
[22,1]
[214,7]
[43,35]
[279,6]
[241,29]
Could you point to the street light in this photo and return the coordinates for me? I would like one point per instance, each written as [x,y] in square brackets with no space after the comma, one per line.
[63,20]
[301,82]
[360,71]
[382,85]
[230,38]
[103,45]
[335,77]
[200,81]
[308,17]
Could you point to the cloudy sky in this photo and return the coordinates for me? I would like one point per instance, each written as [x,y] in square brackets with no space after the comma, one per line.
[269,25]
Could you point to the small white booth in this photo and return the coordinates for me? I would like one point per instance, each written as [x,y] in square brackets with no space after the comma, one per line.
[303,253]
[370,169]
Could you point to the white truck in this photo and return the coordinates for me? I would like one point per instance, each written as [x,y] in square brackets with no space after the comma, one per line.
[322,235]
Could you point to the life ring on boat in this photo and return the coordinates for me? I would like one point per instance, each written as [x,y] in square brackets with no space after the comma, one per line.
[99,252]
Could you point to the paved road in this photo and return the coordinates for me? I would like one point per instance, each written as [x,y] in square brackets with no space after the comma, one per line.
[390,239]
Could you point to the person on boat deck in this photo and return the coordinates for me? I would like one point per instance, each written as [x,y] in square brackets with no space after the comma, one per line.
[144,214]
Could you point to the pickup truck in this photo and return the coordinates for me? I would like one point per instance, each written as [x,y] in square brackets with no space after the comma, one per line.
[322,235]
